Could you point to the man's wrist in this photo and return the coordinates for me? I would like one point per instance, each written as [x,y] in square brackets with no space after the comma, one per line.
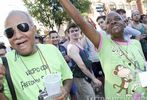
[1,88]
[3,97]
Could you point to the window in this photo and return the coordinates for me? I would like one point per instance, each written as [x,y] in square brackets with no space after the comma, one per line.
[100,7]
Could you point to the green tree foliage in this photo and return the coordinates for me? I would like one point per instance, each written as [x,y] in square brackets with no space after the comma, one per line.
[50,12]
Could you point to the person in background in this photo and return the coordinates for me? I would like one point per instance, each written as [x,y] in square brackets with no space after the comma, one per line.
[129,32]
[136,22]
[93,56]
[55,40]
[142,28]
[81,64]
[32,62]
[47,40]
[67,39]
[38,39]
[101,22]
[3,50]
[143,19]
[121,60]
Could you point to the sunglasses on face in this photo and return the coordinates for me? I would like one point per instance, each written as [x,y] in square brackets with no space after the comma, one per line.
[23,27]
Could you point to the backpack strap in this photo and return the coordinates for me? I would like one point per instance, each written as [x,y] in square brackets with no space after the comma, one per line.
[9,79]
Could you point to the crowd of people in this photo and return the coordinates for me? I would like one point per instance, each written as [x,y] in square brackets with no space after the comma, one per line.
[93,63]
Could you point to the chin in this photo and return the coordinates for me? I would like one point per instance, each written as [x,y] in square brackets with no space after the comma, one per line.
[113,33]
[24,52]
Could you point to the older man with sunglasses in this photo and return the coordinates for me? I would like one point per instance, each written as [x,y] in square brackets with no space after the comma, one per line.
[29,63]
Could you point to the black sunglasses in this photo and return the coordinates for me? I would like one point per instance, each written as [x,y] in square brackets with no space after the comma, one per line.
[23,27]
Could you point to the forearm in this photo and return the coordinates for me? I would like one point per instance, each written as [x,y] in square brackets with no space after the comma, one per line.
[3,97]
[87,73]
[67,85]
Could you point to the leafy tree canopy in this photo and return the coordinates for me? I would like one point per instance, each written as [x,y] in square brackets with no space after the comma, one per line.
[50,12]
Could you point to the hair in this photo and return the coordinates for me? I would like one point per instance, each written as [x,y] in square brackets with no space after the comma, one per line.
[53,31]
[71,25]
[39,37]
[19,12]
[121,11]
[141,17]
[99,17]
[133,11]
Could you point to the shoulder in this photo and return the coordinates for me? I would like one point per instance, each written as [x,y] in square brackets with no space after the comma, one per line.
[46,46]
[72,48]
[61,46]
[10,54]
[130,30]
[135,42]
[48,49]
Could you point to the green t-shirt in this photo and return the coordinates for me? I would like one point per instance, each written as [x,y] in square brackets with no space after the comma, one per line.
[27,72]
[120,64]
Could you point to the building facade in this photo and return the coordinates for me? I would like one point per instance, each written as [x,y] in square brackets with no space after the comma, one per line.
[101,7]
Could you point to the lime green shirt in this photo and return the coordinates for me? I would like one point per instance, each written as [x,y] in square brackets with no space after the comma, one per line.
[28,72]
[121,62]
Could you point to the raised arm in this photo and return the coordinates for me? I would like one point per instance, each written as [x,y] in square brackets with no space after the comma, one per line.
[87,29]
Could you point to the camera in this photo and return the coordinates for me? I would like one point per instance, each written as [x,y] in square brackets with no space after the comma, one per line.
[43,95]
[145,38]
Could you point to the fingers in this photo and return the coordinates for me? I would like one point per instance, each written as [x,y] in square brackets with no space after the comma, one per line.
[2,69]
[97,82]
[63,95]
[2,73]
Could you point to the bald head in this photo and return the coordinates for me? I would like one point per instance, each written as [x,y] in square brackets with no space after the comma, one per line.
[17,13]
[20,32]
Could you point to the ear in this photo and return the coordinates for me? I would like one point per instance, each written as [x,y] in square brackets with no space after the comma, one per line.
[34,29]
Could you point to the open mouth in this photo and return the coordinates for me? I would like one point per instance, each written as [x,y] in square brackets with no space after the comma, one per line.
[22,45]
[116,28]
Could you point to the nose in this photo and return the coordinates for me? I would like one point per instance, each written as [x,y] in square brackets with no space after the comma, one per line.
[113,22]
[17,34]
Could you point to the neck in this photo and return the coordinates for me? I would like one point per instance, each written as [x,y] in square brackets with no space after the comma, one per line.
[74,41]
[119,39]
[34,49]
[136,22]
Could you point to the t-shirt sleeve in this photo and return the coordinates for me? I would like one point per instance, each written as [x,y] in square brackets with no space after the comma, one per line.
[65,70]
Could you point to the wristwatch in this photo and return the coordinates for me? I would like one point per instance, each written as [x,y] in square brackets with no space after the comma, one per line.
[1,88]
